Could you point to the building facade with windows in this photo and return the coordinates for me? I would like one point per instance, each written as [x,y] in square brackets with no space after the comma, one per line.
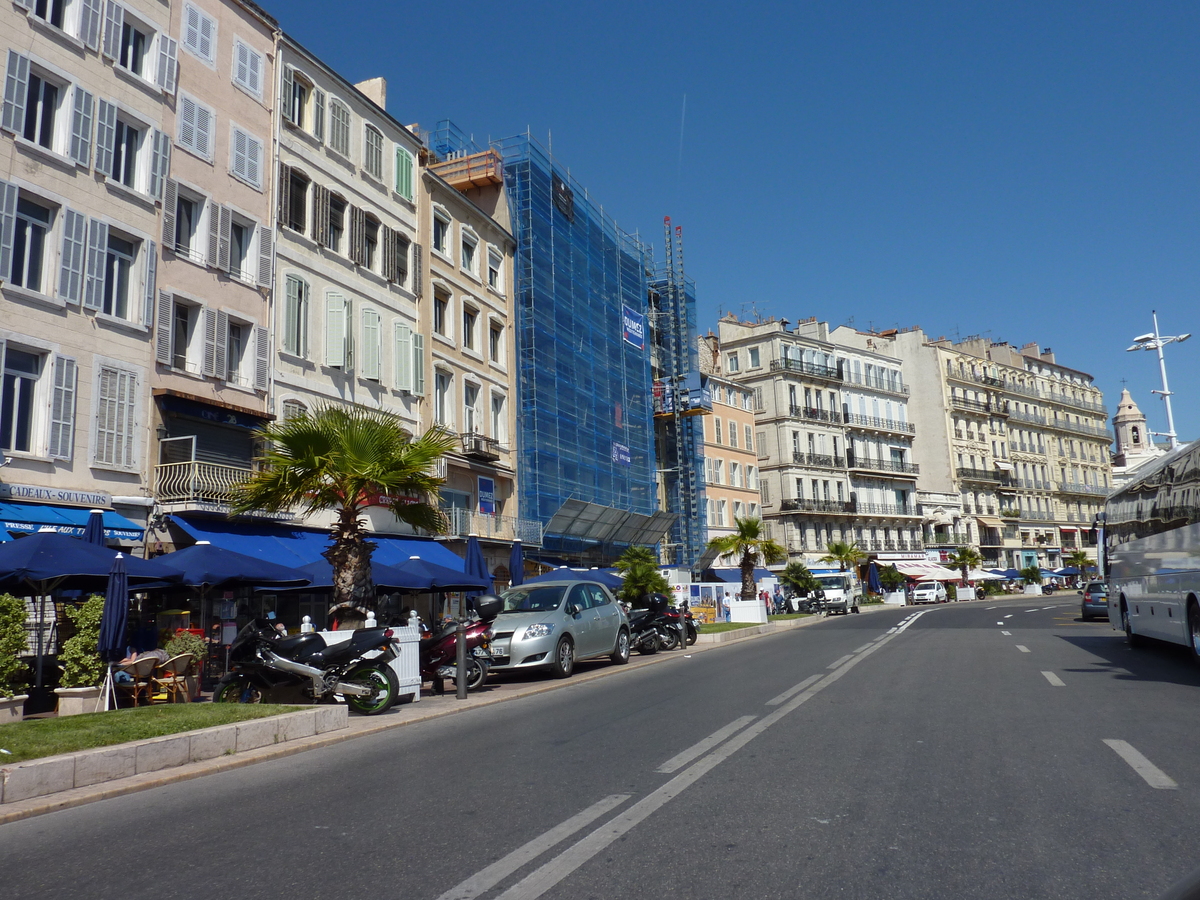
[212,351]
[84,145]
[731,473]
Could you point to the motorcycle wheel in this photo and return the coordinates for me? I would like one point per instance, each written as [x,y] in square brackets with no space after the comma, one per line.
[693,635]
[235,689]
[669,638]
[383,684]
[648,646]
[477,674]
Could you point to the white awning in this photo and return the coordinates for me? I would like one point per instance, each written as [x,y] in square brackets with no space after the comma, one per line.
[928,571]
[990,522]
[981,575]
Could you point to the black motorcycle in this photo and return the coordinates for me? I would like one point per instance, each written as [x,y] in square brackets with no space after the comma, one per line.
[303,668]
[648,628]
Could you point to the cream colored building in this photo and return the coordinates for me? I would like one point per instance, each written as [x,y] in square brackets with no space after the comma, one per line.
[83,146]
[731,465]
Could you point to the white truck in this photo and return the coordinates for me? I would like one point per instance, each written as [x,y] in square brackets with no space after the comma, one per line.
[841,592]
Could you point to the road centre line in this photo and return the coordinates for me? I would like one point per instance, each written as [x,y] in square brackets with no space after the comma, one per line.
[1044,608]
[990,607]
[836,663]
[1009,616]
[1035,610]
[1054,679]
[775,701]
[551,873]
[1151,774]
[1009,633]
[679,760]
[1023,648]
[863,647]
[486,879]
[999,623]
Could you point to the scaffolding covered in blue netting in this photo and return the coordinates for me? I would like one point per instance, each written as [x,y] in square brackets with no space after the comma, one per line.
[585,420]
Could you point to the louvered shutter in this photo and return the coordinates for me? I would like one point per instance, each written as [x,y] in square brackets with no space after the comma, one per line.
[114,21]
[62,409]
[151,283]
[214,233]
[168,63]
[127,418]
[335,330]
[90,20]
[163,327]
[404,173]
[93,295]
[74,248]
[402,357]
[291,316]
[288,90]
[170,202]
[254,157]
[285,194]
[320,225]
[208,38]
[106,136]
[82,115]
[8,224]
[16,91]
[240,158]
[226,239]
[209,364]
[387,252]
[222,364]
[105,417]
[318,114]
[204,118]
[418,357]
[160,163]
[266,254]
[370,350]
[358,236]
[262,360]
[418,285]
[187,122]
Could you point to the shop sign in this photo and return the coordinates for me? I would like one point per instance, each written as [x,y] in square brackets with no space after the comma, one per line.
[621,454]
[633,327]
[54,495]
[487,496]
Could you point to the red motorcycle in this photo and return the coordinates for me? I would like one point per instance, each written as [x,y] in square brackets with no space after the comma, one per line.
[439,651]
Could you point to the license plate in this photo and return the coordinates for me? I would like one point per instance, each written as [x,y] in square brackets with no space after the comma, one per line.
[482,653]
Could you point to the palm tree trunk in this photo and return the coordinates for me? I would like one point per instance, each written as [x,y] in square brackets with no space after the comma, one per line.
[350,557]
[747,576]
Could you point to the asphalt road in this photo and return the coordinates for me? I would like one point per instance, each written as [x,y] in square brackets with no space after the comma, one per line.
[955,751]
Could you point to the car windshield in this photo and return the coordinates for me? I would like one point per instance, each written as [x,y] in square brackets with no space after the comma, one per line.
[1096,587]
[833,582]
[534,598]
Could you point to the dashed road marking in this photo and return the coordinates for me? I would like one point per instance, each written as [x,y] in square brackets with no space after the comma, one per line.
[1009,633]
[846,658]
[1054,679]
[1151,774]
[679,760]
[786,695]
[1023,648]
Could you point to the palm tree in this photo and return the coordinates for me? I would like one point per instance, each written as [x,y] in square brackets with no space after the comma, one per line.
[347,459]
[749,541]
[966,559]
[797,577]
[639,569]
[844,553]
[1081,561]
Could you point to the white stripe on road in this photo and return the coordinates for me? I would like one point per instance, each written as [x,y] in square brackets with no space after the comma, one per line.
[891,631]
[1009,633]
[1151,774]
[1049,607]
[999,623]
[836,663]
[1023,648]
[1009,616]
[1054,679]
[679,760]
[488,878]
[1034,610]
[863,647]
[904,625]
[775,701]
[990,607]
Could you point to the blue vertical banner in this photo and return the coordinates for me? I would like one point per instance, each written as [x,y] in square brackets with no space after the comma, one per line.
[633,327]
[487,496]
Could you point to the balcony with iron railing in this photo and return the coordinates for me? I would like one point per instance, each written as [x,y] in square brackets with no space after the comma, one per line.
[968,473]
[875,384]
[198,484]
[816,506]
[884,509]
[976,406]
[818,460]
[882,546]
[479,446]
[1028,515]
[826,373]
[815,414]
[465,522]
[1080,428]
[877,424]
[1027,418]
[1098,409]
[947,539]
[1022,447]
[1078,487]
[882,465]
[1032,484]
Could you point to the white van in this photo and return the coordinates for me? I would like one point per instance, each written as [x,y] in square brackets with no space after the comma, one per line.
[841,592]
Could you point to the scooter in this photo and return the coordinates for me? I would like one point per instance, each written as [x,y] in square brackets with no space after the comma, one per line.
[439,651]
[303,668]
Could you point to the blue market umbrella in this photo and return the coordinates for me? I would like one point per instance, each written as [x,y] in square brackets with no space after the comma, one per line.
[874,585]
[49,561]
[516,565]
[475,564]
[206,566]
[111,645]
[93,532]
[320,578]
[606,577]
[432,577]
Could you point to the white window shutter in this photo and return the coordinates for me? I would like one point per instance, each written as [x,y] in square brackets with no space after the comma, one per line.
[370,350]
[222,364]
[254,71]
[204,118]
[208,37]
[418,358]
[170,201]
[160,163]
[168,63]
[209,319]
[16,89]
[266,254]
[335,330]
[93,296]
[82,116]
[214,233]
[62,408]
[318,114]
[74,249]
[187,123]
[223,252]
[286,97]
[91,18]
[262,358]
[163,326]
[254,155]
[402,357]
[106,136]
[238,150]
[292,311]
[114,21]
[8,223]
[151,282]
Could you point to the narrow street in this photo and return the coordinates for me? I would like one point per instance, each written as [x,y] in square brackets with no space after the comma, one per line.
[996,749]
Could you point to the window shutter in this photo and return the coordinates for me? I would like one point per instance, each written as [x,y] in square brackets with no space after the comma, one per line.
[404,173]
[370,352]
[187,122]
[403,357]
[222,363]
[358,236]
[262,361]
[89,23]
[168,63]
[62,408]
[226,239]
[204,119]
[285,193]
[160,163]
[209,365]
[348,330]
[81,127]
[16,87]
[8,224]
[254,156]
[320,224]
[114,21]
[74,246]
[418,285]
[163,327]
[286,99]
[266,247]
[126,427]
[318,114]
[291,315]
[151,282]
[335,330]
[106,136]
[240,158]
[214,233]
[170,201]
[418,358]
[93,297]
[208,37]
[387,252]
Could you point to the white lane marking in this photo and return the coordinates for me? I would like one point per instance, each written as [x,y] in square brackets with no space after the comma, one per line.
[1049,607]
[1009,633]
[551,873]
[990,607]
[775,701]
[1054,679]
[891,631]
[1151,774]
[999,623]
[836,663]
[679,760]
[863,647]
[1009,616]
[1023,648]
[1031,610]
[488,878]
[904,625]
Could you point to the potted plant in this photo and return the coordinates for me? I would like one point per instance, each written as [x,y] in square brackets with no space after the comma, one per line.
[186,642]
[892,581]
[82,669]
[1032,576]
[12,669]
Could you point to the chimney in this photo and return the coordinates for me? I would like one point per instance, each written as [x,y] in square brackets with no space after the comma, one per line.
[375,90]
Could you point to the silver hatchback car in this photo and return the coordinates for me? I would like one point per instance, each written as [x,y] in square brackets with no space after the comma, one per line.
[551,624]
[1095,600]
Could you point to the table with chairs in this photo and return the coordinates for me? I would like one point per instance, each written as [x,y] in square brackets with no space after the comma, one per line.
[152,680]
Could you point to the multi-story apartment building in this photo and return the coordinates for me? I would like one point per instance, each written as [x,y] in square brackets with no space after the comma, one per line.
[84,146]
[731,473]
[212,352]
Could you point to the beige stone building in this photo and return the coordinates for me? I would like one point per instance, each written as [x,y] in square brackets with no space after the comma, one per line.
[731,473]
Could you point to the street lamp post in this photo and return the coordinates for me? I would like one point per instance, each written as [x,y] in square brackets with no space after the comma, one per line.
[1156,341]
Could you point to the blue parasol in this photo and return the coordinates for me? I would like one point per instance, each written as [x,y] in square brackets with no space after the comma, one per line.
[516,565]
[93,532]
[874,585]
[111,645]
[432,577]
[476,566]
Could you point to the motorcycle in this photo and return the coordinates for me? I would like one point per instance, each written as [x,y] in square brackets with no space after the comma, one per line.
[647,633]
[439,652]
[304,668]
[689,626]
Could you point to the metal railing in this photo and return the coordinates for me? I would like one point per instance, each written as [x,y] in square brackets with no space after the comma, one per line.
[947,539]
[479,445]
[878,546]
[828,373]
[1077,487]
[815,413]
[879,424]
[972,474]
[819,460]
[877,384]
[464,522]
[884,509]
[1031,516]
[197,481]
[883,465]
[972,405]
[1098,408]
[1079,428]
[1032,484]
[1030,418]
[816,506]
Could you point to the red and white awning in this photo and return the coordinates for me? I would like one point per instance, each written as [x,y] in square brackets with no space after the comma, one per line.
[928,571]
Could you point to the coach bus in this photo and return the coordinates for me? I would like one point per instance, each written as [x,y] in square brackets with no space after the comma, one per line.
[1152,551]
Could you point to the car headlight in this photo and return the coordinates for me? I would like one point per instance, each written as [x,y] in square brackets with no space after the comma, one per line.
[538,631]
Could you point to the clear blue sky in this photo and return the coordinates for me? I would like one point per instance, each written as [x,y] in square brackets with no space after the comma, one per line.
[1023,170]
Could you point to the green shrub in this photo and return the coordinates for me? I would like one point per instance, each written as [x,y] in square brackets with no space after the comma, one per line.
[186,642]
[79,658]
[12,645]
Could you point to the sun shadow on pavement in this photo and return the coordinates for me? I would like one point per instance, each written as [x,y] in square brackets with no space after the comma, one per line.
[1157,661]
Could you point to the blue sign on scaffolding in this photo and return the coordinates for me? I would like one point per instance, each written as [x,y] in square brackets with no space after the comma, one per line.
[633,325]
[622,454]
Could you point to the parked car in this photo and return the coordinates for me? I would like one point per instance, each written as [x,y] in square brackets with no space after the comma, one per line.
[930,592]
[552,624]
[1095,600]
